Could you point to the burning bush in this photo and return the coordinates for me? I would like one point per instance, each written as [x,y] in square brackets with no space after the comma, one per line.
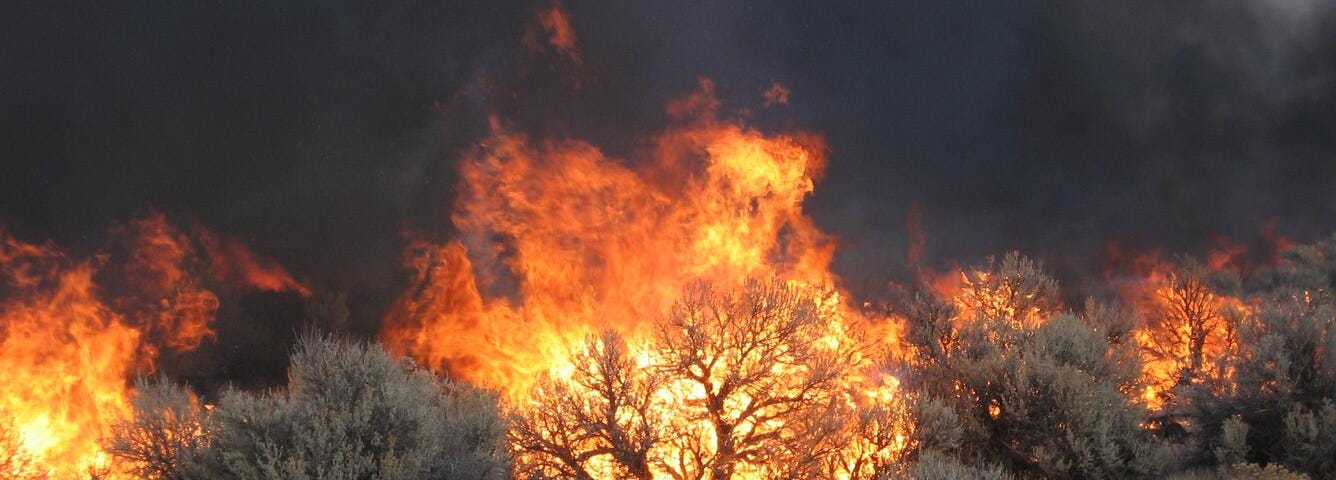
[75,332]
[597,296]
[1041,392]
[1281,370]
[765,382]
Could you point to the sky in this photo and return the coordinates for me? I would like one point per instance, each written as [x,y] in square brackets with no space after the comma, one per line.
[319,131]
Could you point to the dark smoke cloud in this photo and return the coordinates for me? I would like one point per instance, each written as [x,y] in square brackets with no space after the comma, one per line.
[1168,124]
[317,132]
[311,130]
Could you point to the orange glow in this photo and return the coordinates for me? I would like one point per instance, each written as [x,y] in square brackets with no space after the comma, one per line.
[593,242]
[1187,327]
[69,348]
[1226,255]
[65,355]
[777,94]
[560,242]
[947,285]
[232,262]
[560,34]
[994,410]
[180,306]
[1275,241]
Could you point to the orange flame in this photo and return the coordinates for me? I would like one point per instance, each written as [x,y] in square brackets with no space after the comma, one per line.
[1186,325]
[232,262]
[556,22]
[590,242]
[561,242]
[1275,241]
[65,355]
[69,347]
[159,254]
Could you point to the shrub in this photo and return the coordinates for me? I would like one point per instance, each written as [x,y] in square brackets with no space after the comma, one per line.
[166,435]
[1039,392]
[350,410]
[1310,440]
[935,466]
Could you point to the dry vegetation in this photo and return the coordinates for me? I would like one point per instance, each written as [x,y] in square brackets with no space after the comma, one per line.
[766,380]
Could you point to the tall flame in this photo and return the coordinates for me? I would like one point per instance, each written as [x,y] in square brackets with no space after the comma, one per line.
[561,241]
[65,355]
[1186,325]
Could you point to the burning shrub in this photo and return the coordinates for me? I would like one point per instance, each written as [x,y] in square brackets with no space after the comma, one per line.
[75,331]
[1041,393]
[1015,289]
[760,382]
[1283,368]
[1188,333]
[350,411]
[166,436]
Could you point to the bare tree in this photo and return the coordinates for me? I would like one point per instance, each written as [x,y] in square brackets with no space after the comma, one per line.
[604,410]
[1189,318]
[931,329]
[755,382]
[758,357]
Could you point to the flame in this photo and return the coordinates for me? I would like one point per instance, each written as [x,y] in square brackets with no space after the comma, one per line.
[65,355]
[560,34]
[561,242]
[590,242]
[1187,326]
[980,293]
[69,347]
[232,262]
[1227,254]
[1275,241]
[168,293]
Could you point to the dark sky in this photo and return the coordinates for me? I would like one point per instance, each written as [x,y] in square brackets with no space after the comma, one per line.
[317,131]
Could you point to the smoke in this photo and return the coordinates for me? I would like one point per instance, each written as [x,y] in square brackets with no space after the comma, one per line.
[1169,125]
[319,132]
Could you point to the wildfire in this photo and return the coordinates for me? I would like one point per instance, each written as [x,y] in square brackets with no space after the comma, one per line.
[561,242]
[1010,289]
[65,355]
[1187,324]
[69,347]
